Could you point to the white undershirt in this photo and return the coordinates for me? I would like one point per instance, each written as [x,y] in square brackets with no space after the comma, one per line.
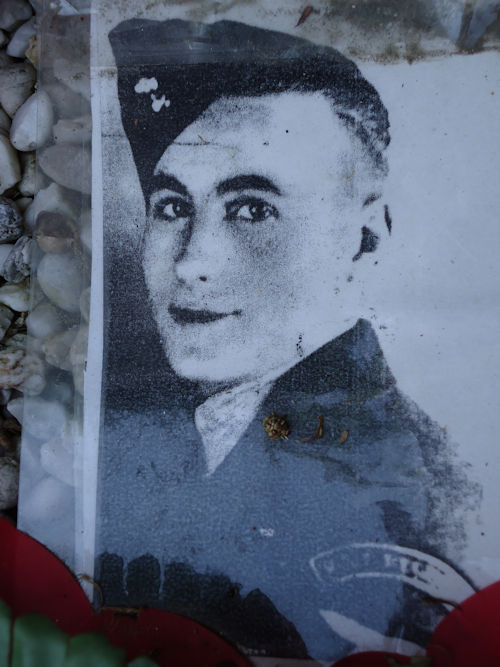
[223,418]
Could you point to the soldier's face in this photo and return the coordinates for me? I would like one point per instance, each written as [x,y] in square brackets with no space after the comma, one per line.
[250,237]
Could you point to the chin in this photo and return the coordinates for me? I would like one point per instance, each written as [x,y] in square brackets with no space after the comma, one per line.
[203,370]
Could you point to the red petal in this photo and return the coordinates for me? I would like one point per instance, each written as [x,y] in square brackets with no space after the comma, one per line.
[32,579]
[469,635]
[372,659]
[167,638]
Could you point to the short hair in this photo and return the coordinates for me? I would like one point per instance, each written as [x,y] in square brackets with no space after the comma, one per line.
[170,72]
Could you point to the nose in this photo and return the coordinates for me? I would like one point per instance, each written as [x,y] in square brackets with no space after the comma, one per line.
[200,253]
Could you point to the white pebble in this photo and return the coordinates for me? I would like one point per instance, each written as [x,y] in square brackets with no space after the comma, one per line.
[73,130]
[68,165]
[20,40]
[16,85]
[44,502]
[61,280]
[43,321]
[57,349]
[16,296]
[6,317]
[9,482]
[13,12]
[32,125]
[28,183]
[57,454]
[10,170]
[50,199]
[42,419]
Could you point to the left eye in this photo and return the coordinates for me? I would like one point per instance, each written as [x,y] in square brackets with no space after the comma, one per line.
[250,210]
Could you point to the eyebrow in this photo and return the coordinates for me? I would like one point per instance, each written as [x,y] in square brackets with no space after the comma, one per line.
[167,182]
[247,182]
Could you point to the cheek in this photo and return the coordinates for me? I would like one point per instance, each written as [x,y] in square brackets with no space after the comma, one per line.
[157,260]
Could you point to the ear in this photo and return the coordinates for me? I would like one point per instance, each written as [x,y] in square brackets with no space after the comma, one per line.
[375,227]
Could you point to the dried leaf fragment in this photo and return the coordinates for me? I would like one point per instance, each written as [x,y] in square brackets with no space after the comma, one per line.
[276,427]
[307,12]
[343,437]
[319,431]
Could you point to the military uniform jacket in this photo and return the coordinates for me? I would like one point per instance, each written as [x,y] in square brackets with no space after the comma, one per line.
[285,532]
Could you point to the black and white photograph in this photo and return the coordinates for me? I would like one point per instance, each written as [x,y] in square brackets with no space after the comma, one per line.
[290,424]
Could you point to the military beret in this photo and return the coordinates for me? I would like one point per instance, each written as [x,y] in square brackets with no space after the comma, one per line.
[170,72]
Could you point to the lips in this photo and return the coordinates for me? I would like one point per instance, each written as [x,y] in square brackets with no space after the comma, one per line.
[191,316]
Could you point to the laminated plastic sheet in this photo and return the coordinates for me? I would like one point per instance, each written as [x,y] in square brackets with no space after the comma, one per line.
[287,427]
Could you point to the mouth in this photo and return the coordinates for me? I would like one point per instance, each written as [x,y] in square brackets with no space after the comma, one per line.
[190,316]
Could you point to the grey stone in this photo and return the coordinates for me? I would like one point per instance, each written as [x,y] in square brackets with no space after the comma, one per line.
[67,103]
[20,40]
[68,165]
[55,232]
[53,199]
[10,169]
[11,222]
[73,130]
[16,85]
[13,13]
[17,265]
[32,125]
[9,482]
[73,74]
[4,38]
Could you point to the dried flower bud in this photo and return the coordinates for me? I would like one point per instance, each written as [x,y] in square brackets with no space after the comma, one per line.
[276,427]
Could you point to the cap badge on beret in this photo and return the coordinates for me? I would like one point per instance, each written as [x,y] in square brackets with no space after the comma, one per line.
[146,86]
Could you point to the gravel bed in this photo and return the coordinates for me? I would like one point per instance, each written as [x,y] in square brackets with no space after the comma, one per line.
[45,133]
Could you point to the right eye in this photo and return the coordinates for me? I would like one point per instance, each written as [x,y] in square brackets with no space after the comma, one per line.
[171,209]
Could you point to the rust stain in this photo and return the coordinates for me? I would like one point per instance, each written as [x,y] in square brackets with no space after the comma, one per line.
[343,437]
